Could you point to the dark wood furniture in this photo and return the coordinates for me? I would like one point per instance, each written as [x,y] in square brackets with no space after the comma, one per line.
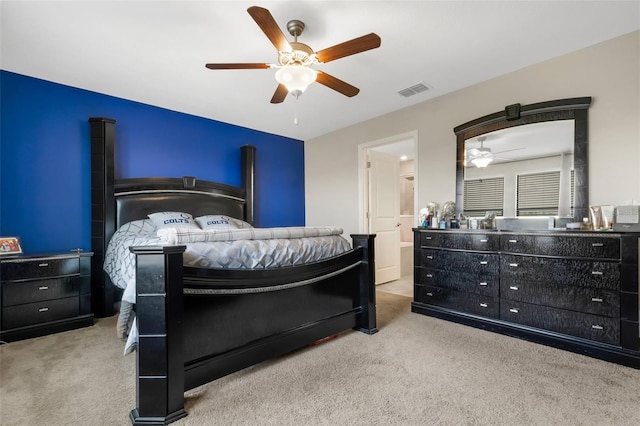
[198,324]
[43,294]
[577,291]
[576,109]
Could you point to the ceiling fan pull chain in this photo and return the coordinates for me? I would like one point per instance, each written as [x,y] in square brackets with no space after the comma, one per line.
[295,112]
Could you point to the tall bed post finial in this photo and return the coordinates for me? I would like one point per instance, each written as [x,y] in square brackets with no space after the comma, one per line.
[248,153]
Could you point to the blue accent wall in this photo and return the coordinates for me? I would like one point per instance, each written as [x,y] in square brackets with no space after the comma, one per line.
[45,159]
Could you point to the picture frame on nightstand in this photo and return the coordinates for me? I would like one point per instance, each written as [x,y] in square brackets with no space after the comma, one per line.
[9,246]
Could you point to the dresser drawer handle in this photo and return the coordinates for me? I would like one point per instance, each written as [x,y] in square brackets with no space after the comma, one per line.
[430,257]
[513,287]
[597,327]
[43,309]
[515,265]
[43,287]
[596,272]
[484,262]
[483,241]
[514,310]
[513,241]
[596,299]
[483,305]
[43,265]
[429,275]
[427,238]
[429,294]
[483,284]
[597,244]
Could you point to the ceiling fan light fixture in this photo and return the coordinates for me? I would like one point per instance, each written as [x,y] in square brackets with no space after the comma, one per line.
[482,162]
[296,78]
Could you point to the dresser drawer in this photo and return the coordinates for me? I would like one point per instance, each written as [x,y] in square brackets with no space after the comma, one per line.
[21,269]
[16,293]
[587,326]
[479,241]
[581,273]
[587,245]
[472,262]
[470,303]
[39,312]
[579,299]
[480,283]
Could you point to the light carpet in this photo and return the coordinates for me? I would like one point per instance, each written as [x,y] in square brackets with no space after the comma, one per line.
[416,371]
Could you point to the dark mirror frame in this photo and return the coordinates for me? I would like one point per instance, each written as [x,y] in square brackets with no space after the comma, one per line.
[517,115]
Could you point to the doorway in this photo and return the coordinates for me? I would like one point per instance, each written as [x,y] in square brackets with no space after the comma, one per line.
[394,238]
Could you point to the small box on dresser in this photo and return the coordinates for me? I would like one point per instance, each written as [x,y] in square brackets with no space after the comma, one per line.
[44,294]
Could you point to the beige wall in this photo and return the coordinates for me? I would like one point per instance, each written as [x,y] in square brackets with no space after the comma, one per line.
[608,72]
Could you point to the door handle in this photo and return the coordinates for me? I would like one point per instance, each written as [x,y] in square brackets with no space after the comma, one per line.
[398,225]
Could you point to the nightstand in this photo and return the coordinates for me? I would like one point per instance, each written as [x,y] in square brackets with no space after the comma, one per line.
[44,294]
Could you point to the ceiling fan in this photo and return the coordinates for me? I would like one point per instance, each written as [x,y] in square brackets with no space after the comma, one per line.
[295,59]
[481,157]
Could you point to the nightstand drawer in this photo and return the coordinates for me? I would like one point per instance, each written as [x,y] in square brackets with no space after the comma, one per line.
[22,269]
[39,312]
[17,293]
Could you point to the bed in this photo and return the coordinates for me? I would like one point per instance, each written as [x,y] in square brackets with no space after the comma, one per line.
[197,324]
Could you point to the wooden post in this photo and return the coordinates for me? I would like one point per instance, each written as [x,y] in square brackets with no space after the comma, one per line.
[160,351]
[366,321]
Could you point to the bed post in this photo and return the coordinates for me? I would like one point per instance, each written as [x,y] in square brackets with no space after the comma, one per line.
[248,154]
[103,207]
[160,351]
[366,320]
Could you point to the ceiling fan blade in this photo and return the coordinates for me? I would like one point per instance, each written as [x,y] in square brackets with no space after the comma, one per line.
[351,47]
[280,94]
[237,66]
[336,84]
[268,25]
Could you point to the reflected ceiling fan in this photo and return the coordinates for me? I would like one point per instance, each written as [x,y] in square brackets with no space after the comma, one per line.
[481,157]
[295,59]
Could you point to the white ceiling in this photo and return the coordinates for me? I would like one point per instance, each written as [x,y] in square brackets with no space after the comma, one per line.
[154,51]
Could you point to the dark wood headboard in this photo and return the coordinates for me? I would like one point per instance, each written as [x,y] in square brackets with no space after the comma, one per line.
[116,202]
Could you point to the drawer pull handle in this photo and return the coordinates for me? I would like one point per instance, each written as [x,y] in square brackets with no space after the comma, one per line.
[483,305]
[43,287]
[429,275]
[597,327]
[513,287]
[484,262]
[597,244]
[483,241]
[513,241]
[430,257]
[596,272]
[427,238]
[596,299]
[483,284]
[43,265]
[515,265]
[429,294]
[43,309]
[514,310]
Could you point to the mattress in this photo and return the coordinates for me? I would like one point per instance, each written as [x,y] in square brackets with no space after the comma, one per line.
[255,248]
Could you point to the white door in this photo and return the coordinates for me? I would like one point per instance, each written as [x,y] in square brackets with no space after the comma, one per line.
[384,214]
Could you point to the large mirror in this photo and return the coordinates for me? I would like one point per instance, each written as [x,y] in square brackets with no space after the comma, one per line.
[522,157]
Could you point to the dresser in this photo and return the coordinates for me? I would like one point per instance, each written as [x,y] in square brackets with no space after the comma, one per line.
[572,290]
[43,294]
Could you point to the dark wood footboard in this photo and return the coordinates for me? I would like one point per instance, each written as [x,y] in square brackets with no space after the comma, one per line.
[197,325]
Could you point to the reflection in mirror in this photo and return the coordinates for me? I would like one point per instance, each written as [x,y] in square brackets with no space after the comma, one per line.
[520,171]
[522,163]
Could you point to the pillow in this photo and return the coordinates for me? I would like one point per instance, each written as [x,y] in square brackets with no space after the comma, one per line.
[173,220]
[219,221]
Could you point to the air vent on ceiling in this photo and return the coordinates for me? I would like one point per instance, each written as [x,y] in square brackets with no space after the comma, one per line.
[414,90]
